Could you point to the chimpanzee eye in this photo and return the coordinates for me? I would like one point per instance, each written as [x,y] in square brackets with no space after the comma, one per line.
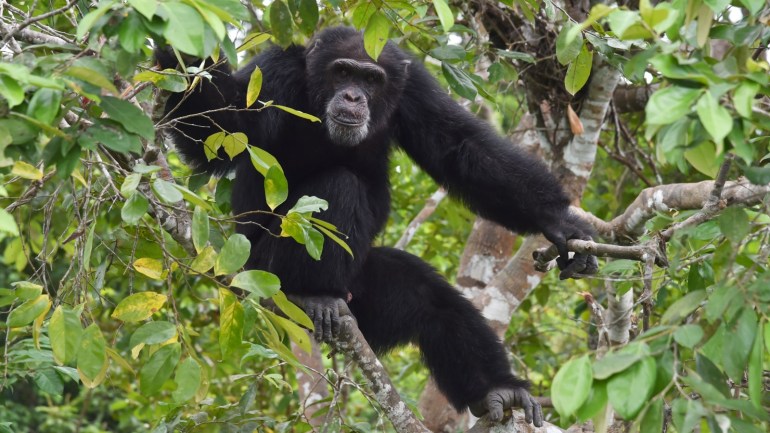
[343,73]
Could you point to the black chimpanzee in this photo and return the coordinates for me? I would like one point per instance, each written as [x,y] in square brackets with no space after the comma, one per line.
[366,106]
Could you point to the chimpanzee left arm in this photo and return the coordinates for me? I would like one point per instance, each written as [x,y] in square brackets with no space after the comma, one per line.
[494,178]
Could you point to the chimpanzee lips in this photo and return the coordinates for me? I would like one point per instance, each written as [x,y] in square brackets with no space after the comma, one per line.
[347,121]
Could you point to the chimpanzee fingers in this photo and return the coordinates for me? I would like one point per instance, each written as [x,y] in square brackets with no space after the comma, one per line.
[317,317]
[327,324]
[526,404]
[495,406]
[335,322]
[537,416]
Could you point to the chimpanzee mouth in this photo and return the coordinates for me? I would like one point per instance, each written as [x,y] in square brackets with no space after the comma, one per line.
[353,123]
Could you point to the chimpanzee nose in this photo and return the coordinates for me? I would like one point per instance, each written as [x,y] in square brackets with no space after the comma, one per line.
[352,96]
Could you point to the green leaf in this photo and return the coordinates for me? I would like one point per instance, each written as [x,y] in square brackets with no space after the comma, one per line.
[376,34]
[92,355]
[615,362]
[8,224]
[568,44]
[314,243]
[139,306]
[65,331]
[572,385]
[281,23]
[459,81]
[184,28]
[205,260]
[276,187]
[130,116]
[145,7]
[753,6]
[134,208]
[689,335]
[334,237]
[737,347]
[261,283]
[28,311]
[261,160]
[187,379]
[235,144]
[93,77]
[11,90]
[159,368]
[717,5]
[90,18]
[579,71]
[115,138]
[670,104]
[305,14]
[445,14]
[596,401]
[153,333]
[652,422]
[627,25]
[448,52]
[44,105]
[27,290]
[297,113]
[129,184]
[166,191]
[212,144]
[704,158]
[755,373]
[683,307]
[200,229]
[292,311]
[715,118]
[231,320]
[233,256]
[131,33]
[253,40]
[48,381]
[296,334]
[743,98]
[307,204]
[253,89]
[630,390]
[734,223]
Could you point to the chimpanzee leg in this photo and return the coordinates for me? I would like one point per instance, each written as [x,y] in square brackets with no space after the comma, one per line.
[398,298]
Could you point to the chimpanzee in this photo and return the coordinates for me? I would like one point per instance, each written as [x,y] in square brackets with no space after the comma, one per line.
[367,107]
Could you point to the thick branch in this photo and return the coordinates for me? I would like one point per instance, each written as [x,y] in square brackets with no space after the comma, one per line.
[352,344]
[675,196]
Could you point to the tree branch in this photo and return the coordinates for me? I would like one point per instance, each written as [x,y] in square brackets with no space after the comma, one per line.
[430,206]
[352,344]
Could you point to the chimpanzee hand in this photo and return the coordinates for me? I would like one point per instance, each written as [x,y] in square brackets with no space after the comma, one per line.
[498,400]
[325,312]
[561,229]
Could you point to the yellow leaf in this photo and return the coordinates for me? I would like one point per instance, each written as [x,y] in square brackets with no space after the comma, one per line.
[151,268]
[26,170]
[254,87]
[138,306]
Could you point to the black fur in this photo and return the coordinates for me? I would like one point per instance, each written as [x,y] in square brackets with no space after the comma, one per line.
[396,297]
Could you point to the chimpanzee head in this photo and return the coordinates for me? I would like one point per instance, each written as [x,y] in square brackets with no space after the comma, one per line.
[356,95]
